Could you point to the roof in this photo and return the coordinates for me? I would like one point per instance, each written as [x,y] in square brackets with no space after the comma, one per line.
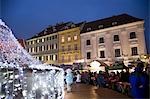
[22,42]
[109,22]
[56,28]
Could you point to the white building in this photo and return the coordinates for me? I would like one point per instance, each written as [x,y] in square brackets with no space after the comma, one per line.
[117,38]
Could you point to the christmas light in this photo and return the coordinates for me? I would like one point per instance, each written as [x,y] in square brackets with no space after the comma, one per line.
[22,71]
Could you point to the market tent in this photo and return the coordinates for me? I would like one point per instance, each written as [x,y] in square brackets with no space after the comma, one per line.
[117,66]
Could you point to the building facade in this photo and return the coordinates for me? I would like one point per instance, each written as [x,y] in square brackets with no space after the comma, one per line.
[44,47]
[118,38]
[69,46]
[58,44]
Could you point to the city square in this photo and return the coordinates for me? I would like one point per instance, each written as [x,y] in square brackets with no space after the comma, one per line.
[82,54]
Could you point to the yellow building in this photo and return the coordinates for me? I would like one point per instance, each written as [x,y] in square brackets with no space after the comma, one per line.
[69,46]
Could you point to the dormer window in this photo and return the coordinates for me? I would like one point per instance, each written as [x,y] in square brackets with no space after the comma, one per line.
[45,31]
[114,23]
[72,25]
[88,29]
[54,29]
[66,27]
[100,26]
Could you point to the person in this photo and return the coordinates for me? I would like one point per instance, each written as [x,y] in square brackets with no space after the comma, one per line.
[139,82]
[78,80]
[69,79]
[74,77]
[100,80]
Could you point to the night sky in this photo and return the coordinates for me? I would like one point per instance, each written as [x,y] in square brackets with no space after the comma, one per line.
[28,17]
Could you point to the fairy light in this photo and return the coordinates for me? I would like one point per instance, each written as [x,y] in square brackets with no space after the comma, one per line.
[44,77]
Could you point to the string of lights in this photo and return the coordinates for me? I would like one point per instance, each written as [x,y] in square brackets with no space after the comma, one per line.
[22,76]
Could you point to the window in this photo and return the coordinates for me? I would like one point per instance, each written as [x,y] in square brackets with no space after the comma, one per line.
[43,39]
[43,48]
[69,47]
[88,55]
[132,35]
[69,58]
[76,57]
[102,54]
[75,37]
[56,45]
[62,48]
[32,42]
[75,47]
[50,57]
[35,41]
[29,50]
[114,23]
[52,46]
[88,29]
[35,49]
[63,59]
[101,40]
[50,38]
[134,51]
[46,58]
[55,36]
[28,43]
[117,53]
[116,37]
[40,58]
[69,38]
[100,26]
[47,47]
[62,39]
[38,41]
[47,38]
[56,57]
[38,49]
[88,42]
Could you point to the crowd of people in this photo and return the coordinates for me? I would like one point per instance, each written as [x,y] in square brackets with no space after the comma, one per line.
[135,84]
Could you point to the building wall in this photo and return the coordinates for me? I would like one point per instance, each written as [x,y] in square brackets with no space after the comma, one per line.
[124,44]
[67,51]
[44,48]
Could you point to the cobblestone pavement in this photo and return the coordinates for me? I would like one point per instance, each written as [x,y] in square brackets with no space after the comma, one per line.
[83,91]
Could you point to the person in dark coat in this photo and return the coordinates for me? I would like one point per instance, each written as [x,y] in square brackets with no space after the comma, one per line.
[139,82]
